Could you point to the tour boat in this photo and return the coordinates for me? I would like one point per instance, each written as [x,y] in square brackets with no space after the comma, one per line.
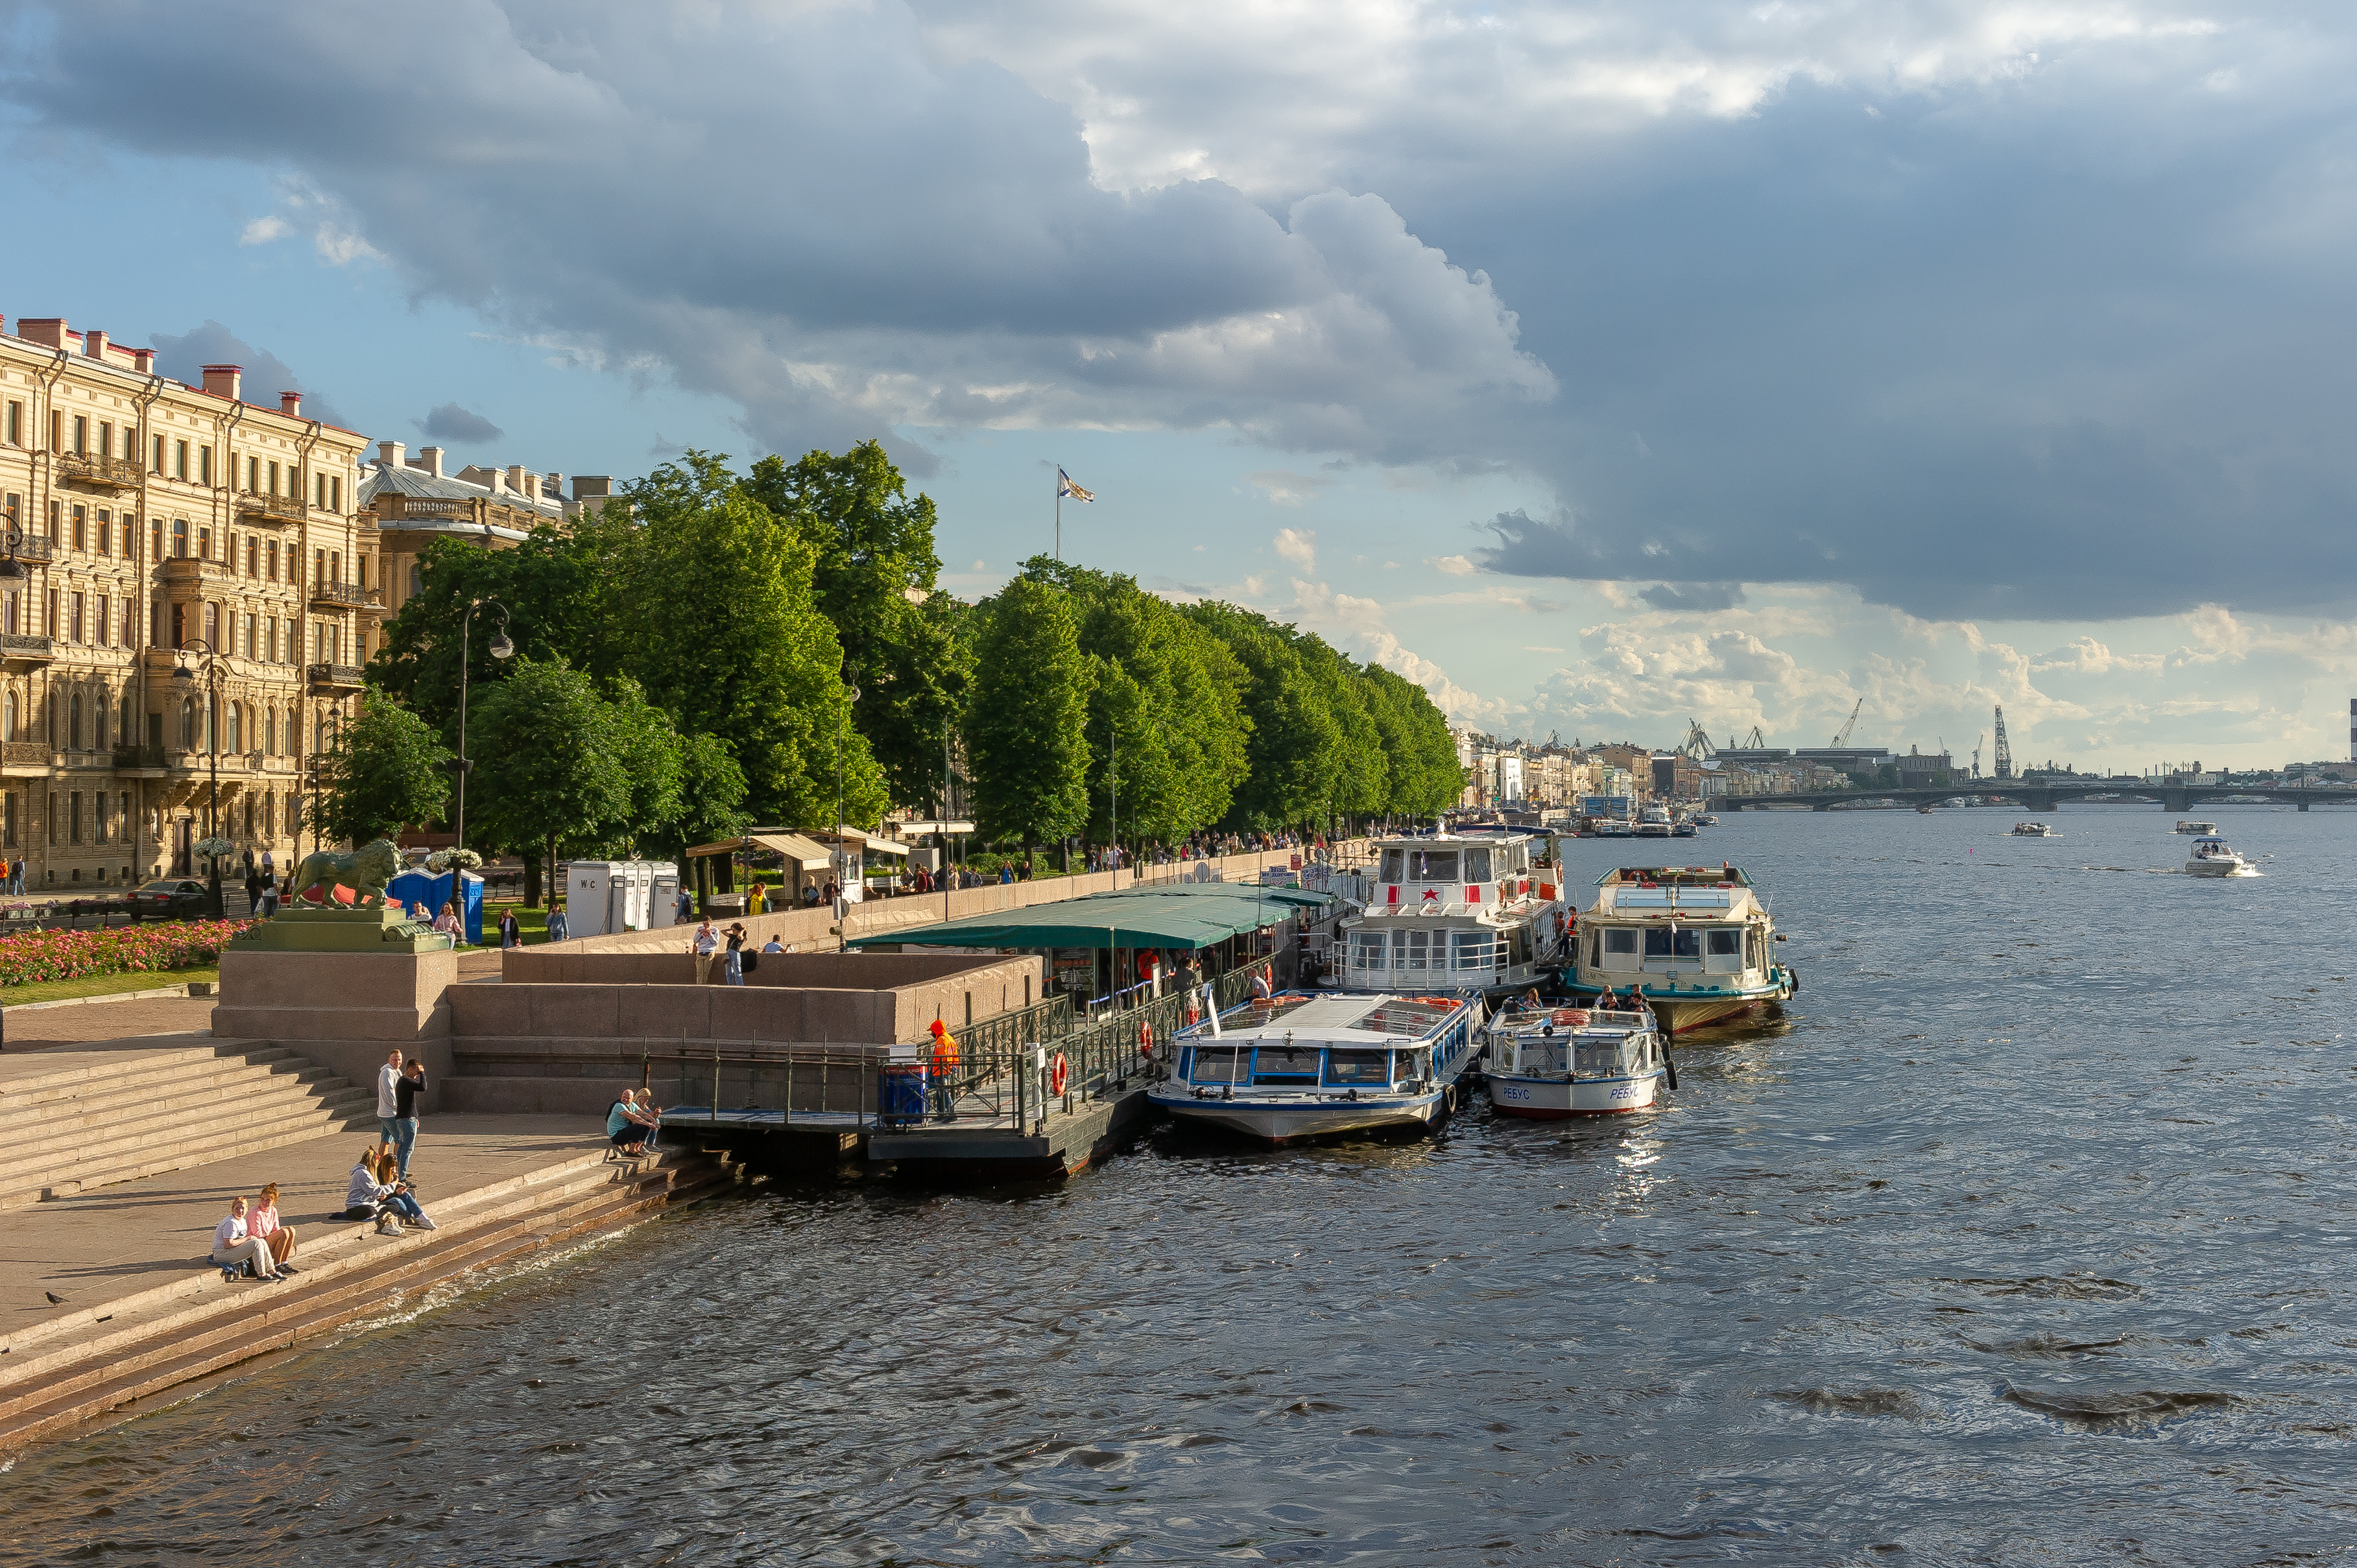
[2033,830]
[1695,940]
[1308,1065]
[1553,1062]
[2196,829]
[1455,911]
[1685,828]
[1653,823]
[2212,856]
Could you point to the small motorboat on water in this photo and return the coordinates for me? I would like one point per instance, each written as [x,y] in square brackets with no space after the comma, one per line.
[2212,856]
[1684,828]
[2034,830]
[1653,823]
[2196,830]
[1553,1062]
[1304,1065]
[1922,811]
[1707,820]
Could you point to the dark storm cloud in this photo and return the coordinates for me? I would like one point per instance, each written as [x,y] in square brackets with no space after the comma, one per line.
[184,355]
[449,422]
[1692,596]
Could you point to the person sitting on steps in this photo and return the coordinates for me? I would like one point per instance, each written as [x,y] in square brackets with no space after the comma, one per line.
[261,1220]
[624,1129]
[388,1203]
[235,1249]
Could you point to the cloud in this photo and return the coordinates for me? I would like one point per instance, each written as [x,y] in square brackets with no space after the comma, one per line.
[1453,566]
[1288,489]
[971,271]
[184,355]
[2088,657]
[1298,545]
[450,422]
[261,231]
[1692,596]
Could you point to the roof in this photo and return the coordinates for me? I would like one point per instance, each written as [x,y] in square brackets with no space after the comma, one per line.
[1186,915]
[793,846]
[408,481]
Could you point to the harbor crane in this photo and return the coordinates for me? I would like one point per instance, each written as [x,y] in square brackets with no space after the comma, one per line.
[1697,744]
[2002,764]
[1976,752]
[1755,741]
[1841,737]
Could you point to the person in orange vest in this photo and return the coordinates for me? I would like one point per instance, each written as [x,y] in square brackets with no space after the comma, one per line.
[944,1067]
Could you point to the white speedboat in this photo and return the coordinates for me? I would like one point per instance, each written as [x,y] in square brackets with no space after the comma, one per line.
[2033,830]
[1455,911]
[2212,856]
[2196,829]
[1694,940]
[1707,820]
[1305,1065]
[1553,1062]
[1653,823]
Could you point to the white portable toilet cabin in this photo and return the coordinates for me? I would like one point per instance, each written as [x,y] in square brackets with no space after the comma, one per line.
[606,896]
[662,896]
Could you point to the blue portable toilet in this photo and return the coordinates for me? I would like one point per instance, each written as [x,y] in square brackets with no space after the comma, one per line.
[424,887]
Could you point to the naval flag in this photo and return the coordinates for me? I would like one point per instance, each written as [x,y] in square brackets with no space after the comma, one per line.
[1064,487]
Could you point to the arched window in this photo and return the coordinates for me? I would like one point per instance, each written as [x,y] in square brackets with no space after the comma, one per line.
[416,579]
[127,735]
[212,721]
[188,724]
[73,723]
[99,708]
[269,733]
[236,728]
[320,732]
[8,718]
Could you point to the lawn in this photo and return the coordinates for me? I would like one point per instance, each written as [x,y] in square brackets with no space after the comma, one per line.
[103,985]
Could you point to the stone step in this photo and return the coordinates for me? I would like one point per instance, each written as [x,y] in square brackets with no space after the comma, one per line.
[92,1073]
[262,1318]
[65,1171]
[191,1095]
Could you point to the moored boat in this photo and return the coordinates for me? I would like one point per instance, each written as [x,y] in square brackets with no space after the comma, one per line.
[1554,1062]
[1308,1065]
[2212,856]
[2033,830]
[1455,911]
[1653,823]
[2196,830]
[1694,940]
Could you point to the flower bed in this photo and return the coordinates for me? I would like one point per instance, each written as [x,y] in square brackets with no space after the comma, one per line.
[37,956]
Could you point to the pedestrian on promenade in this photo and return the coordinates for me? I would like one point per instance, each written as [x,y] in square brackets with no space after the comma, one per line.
[261,1220]
[757,902]
[388,1101]
[704,944]
[447,924]
[556,926]
[510,933]
[406,1092]
[833,895]
[944,1070]
[253,883]
[234,1248]
[269,891]
[732,969]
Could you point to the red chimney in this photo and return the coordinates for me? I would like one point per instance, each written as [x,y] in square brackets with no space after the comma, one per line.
[221,381]
[291,404]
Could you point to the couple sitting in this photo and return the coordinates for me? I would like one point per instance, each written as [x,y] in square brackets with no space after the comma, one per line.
[634,1122]
[379,1192]
[252,1240]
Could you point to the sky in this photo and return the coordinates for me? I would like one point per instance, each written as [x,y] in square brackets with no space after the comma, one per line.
[1607,368]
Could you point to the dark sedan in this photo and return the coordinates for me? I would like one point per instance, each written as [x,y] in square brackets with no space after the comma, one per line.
[174,899]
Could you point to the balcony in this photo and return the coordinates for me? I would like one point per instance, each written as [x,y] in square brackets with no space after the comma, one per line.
[393,508]
[33,550]
[255,507]
[186,569]
[25,752]
[24,648]
[99,473]
[332,595]
[139,758]
[339,675]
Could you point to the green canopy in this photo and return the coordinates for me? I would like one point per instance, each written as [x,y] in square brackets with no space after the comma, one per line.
[1188,915]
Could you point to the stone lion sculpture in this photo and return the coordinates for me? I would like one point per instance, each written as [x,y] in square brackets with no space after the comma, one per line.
[365,871]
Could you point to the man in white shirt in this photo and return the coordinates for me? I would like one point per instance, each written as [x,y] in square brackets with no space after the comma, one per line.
[388,1097]
[233,1246]
[706,943]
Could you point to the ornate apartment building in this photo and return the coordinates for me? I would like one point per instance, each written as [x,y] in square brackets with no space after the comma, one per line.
[157,529]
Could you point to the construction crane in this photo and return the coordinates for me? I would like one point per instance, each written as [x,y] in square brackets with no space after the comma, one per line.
[2003,761]
[1841,738]
[1697,744]
[1976,752]
[1753,742]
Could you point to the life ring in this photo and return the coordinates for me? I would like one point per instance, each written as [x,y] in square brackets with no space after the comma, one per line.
[1146,1039]
[1571,1017]
[1058,1071]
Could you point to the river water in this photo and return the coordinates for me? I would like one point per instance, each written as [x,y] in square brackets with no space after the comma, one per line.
[2025,1238]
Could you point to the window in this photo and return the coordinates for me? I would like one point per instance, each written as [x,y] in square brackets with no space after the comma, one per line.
[271,622]
[125,818]
[80,533]
[179,625]
[274,560]
[1432,866]
[155,539]
[158,465]
[1411,950]
[101,606]
[1619,940]
[1477,865]
[319,567]
[105,439]
[274,479]
[105,533]
[15,438]
[8,611]
[1219,1064]
[335,495]
[1286,1064]
[50,617]
[14,507]
[80,447]
[269,742]
[236,717]
[1344,1069]
[1472,950]
[212,626]
[98,817]
[205,464]
[319,484]
[417,586]
[249,637]
[56,441]
[54,534]
[188,724]
[155,627]
[1727,942]
[180,459]
[253,556]
[334,565]
[8,818]
[73,817]
[1392,858]
[252,474]
[180,537]
[204,542]
[1367,950]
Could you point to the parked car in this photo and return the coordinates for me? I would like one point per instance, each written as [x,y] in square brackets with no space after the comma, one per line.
[173,899]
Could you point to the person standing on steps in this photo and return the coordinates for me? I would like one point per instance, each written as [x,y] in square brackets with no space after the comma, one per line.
[704,944]
[406,1092]
[388,1101]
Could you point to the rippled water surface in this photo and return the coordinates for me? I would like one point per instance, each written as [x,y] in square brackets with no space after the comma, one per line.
[2024,1238]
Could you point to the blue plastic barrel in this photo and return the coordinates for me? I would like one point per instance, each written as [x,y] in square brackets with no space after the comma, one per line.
[903,1093]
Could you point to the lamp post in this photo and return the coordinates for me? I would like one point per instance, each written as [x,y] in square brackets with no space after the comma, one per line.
[186,679]
[502,648]
[842,864]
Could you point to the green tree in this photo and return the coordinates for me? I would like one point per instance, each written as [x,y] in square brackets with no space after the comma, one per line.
[551,770]
[1425,776]
[386,772]
[1024,721]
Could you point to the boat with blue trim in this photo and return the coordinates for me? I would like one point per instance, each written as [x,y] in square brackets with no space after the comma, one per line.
[1554,1062]
[1454,911]
[1694,941]
[1312,1064]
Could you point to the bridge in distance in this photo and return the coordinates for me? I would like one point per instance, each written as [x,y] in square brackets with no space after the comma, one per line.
[2046,796]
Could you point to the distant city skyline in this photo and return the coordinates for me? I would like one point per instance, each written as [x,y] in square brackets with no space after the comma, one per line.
[1600,367]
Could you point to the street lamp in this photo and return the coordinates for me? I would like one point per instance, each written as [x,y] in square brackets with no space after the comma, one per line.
[188,679]
[842,863]
[502,648]
[11,569]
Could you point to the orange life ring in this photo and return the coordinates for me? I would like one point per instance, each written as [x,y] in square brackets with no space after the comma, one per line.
[1058,1071]
[1571,1017]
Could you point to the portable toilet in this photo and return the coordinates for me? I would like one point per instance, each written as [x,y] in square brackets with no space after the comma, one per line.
[589,899]
[662,897]
[633,880]
[424,887]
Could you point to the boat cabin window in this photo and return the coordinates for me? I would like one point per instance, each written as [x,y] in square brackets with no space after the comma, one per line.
[1367,951]
[1680,943]
[1472,950]
[1219,1064]
[1432,866]
[1411,949]
[1618,940]
[1286,1064]
[1477,865]
[1415,1064]
[1518,945]
[1358,1068]
[1544,1054]
[1392,862]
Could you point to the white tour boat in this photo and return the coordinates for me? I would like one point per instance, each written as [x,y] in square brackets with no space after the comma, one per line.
[1455,911]
[1653,823]
[2033,830]
[1553,1062]
[1307,1065]
[2196,829]
[1694,940]
[2212,856]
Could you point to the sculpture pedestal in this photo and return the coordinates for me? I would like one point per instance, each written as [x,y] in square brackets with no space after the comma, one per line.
[343,1009]
[302,929]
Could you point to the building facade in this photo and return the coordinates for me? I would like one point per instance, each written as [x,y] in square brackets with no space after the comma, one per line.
[157,527]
